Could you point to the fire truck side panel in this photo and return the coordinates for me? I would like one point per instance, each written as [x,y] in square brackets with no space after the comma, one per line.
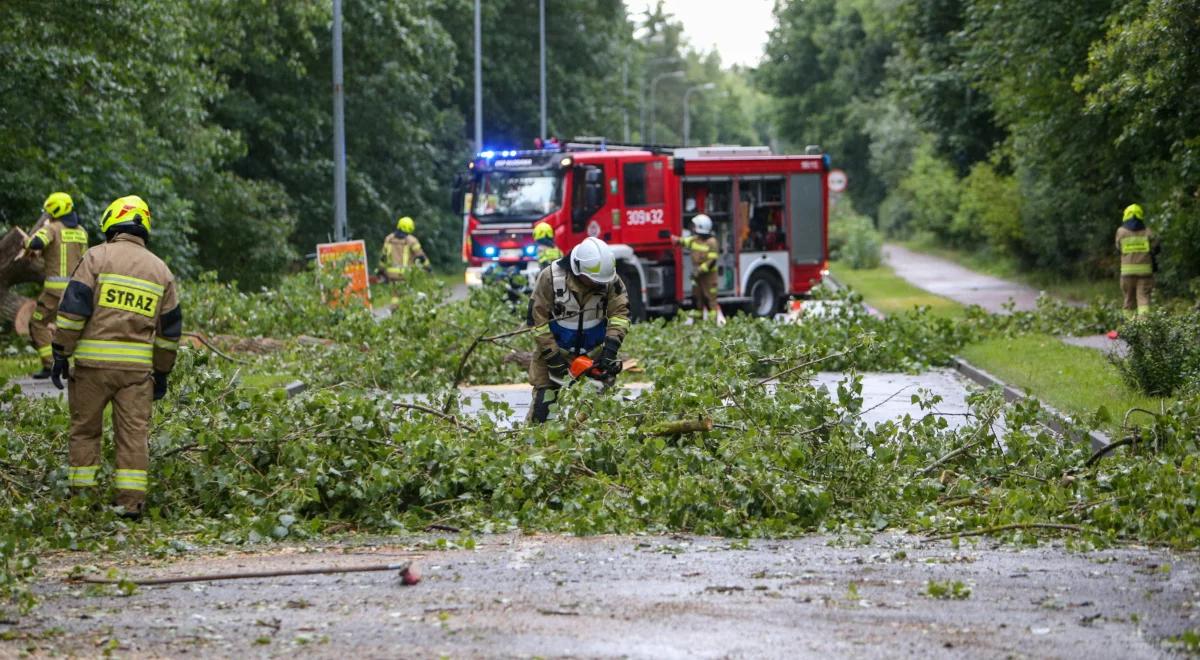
[807,199]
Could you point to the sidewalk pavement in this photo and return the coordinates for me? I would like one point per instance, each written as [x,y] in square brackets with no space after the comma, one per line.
[950,280]
[963,285]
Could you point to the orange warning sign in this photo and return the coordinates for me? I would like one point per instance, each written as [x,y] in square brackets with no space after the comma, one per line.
[350,259]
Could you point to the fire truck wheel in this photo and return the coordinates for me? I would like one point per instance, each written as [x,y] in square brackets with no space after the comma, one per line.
[633,284]
[765,291]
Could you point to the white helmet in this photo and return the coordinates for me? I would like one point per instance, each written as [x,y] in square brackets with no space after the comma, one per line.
[703,224]
[594,260]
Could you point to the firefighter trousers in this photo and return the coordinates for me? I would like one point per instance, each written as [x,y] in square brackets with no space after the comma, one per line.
[1136,290]
[40,330]
[132,396]
[704,290]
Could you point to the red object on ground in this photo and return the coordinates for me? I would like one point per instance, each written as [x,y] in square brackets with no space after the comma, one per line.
[1112,334]
[410,575]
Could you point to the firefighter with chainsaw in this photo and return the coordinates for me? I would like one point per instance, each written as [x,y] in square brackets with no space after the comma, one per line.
[705,251]
[401,251]
[579,312]
[1138,247]
[61,242]
[120,320]
[547,249]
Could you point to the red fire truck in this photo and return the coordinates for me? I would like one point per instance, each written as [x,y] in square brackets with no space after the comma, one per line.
[769,212]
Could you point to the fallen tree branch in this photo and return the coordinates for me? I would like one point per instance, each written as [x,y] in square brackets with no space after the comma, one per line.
[212,577]
[209,345]
[809,363]
[437,413]
[1103,451]
[1004,528]
[679,427]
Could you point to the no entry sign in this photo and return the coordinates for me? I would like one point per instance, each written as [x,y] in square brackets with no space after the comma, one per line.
[837,181]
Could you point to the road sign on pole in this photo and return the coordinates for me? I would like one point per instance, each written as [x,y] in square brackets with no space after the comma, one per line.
[838,181]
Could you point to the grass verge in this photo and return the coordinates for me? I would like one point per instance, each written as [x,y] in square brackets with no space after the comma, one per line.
[17,366]
[1076,380]
[885,291]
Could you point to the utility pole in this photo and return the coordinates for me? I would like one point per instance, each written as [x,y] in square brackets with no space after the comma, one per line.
[625,100]
[542,40]
[478,82]
[687,115]
[653,86]
[339,130]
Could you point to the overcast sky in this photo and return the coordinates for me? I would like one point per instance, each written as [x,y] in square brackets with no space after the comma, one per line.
[736,28]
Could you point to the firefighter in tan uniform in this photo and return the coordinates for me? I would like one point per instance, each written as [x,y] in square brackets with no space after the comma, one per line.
[62,243]
[705,251]
[1137,246]
[120,320]
[578,307]
[401,251]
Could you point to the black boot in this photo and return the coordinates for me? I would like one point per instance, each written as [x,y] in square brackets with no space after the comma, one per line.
[41,375]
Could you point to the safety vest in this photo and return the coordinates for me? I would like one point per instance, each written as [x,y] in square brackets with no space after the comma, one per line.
[577,328]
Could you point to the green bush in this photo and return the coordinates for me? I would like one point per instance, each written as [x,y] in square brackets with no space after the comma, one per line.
[1164,352]
[990,208]
[853,239]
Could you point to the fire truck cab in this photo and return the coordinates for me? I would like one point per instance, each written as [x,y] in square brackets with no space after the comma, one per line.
[769,215]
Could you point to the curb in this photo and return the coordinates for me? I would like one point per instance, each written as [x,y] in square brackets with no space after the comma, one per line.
[1058,422]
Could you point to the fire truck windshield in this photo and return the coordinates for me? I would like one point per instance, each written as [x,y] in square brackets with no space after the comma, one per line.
[503,196]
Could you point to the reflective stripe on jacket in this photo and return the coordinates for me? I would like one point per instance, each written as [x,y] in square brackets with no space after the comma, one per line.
[62,247]
[704,252]
[400,254]
[567,314]
[1136,246]
[121,309]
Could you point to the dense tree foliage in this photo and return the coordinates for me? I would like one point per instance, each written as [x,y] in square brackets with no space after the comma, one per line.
[219,112]
[1023,127]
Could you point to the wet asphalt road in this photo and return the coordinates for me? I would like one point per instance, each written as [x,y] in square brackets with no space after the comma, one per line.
[634,596]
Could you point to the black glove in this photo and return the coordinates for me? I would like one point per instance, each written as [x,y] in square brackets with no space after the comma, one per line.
[160,384]
[556,364]
[61,368]
[608,362]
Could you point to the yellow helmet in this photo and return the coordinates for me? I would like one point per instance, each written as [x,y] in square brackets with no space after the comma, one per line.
[406,225]
[1133,211]
[542,230]
[129,209]
[58,204]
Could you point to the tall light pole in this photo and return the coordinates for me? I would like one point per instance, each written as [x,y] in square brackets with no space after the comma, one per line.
[687,116]
[542,40]
[653,85]
[339,131]
[478,82]
[642,100]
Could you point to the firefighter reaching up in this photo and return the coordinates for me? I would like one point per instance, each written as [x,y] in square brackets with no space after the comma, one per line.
[579,312]
[547,249]
[62,243]
[705,251]
[120,320]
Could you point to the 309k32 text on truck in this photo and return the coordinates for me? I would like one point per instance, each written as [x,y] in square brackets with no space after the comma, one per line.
[770,216]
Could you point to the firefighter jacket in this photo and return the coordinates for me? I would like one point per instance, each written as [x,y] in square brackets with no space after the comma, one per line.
[400,251]
[120,310]
[547,252]
[568,314]
[62,243]
[1136,244]
[704,253]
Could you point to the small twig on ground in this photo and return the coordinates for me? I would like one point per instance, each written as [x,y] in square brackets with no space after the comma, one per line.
[987,424]
[1004,528]
[437,413]
[330,570]
[209,345]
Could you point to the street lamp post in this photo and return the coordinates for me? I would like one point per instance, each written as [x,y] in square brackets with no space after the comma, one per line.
[478,82]
[687,115]
[642,100]
[653,86]
[339,130]
[542,63]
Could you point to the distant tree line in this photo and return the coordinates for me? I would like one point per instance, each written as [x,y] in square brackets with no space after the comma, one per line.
[219,112]
[1022,127]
